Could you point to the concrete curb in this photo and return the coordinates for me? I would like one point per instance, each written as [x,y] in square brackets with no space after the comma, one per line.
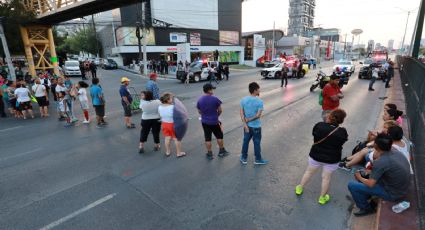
[168,76]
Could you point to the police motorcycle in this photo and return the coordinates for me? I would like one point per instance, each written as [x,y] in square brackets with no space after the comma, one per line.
[321,81]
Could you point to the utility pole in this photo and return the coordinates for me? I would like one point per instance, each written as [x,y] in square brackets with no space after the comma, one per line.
[6,51]
[345,45]
[95,35]
[405,30]
[418,30]
[273,53]
[138,22]
[145,66]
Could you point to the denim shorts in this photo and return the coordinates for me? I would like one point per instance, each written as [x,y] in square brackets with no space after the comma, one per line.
[326,166]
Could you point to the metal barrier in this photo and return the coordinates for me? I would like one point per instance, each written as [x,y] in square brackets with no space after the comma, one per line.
[412,73]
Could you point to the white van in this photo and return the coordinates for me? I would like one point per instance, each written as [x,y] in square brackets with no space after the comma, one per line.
[71,68]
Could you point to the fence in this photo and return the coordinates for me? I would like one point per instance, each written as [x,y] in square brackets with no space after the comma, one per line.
[412,73]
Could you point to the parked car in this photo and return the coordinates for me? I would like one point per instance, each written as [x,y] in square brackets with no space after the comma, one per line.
[71,68]
[365,71]
[276,71]
[198,71]
[109,64]
[345,64]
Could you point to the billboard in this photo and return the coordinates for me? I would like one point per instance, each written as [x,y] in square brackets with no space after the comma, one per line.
[126,36]
[229,56]
[229,38]
[194,14]
[195,39]
[178,37]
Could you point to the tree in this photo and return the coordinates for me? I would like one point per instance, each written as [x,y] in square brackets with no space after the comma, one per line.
[14,15]
[83,40]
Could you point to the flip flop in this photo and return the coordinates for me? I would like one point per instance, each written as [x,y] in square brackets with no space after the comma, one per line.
[182,155]
[167,155]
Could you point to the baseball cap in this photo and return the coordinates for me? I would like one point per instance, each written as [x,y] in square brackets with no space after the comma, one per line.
[124,79]
[153,75]
[208,87]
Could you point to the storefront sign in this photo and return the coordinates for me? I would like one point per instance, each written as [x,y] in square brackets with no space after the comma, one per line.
[195,39]
[178,37]
[171,48]
[126,36]
[194,49]
[229,38]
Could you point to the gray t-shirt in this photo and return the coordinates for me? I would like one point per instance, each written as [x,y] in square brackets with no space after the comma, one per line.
[392,172]
[150,109]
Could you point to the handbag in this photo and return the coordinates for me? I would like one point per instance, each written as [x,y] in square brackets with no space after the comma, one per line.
[323,139]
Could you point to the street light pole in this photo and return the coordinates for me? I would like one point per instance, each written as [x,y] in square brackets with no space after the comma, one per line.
[6,51]
[405,30]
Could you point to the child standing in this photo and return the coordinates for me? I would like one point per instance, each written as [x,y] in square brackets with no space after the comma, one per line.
[63,107]
[84,101]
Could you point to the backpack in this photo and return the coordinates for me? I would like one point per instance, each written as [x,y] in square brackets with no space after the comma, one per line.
[321,97]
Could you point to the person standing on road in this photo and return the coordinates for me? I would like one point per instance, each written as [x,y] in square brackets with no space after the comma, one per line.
[150,120]
[2,104]
[71,94]
[285,71]
[331,96]
[152,86]
[209,107]
[126,101]
[93,69]
[40,93]
[390,73]
[84,100]
[325,152]
[226,71]
[389,178]
[251,109]
[166,112]
[23,98]
[300,70]
[98,102]
[375,74]
[83,72]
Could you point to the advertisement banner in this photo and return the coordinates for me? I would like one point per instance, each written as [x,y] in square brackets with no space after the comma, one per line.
[178,37]
[229,38]
[126,36]
[229,56]
[195,39]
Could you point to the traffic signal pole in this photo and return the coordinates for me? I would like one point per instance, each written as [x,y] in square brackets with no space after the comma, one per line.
[6,51]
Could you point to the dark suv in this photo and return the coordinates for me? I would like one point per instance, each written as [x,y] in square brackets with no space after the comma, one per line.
[365,71]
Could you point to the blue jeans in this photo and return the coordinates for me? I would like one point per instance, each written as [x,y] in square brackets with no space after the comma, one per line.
[372,81]
[255,135]
[361,193]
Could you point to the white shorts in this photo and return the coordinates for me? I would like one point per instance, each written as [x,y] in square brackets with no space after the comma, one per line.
[84,104]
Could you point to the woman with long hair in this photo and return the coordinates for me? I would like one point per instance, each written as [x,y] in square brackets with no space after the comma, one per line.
[84,100]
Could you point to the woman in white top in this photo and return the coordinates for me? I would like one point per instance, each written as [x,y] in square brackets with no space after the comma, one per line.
[40,93]
[150,120]
[84,100]
[166,113]
[24,100]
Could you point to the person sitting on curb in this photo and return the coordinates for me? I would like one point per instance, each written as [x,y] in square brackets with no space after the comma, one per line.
[389,178]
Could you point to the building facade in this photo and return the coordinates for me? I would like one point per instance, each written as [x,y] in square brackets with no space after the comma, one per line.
[390,46]
[207,25]
[301,17]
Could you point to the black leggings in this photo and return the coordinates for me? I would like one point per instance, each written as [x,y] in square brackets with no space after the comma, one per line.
[147,125]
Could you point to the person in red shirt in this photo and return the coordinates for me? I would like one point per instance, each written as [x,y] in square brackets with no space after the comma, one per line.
[331,96]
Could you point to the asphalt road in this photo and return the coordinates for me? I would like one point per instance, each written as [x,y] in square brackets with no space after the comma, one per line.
[88,178]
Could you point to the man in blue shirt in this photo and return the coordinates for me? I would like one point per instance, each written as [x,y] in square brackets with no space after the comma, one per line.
[209,107]
[251,108]
[126,101]
[98,102]
[152,86]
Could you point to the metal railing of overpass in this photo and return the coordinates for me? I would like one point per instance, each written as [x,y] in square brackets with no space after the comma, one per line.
[412,73]
[55,11]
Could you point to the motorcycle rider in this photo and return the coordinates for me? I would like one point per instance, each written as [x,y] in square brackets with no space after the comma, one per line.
[285,71]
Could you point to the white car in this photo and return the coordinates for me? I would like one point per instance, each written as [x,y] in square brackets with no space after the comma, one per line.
[276,71]
[71,68]
[345,64]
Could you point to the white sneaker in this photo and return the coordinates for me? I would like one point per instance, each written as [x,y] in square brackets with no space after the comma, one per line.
[86,122]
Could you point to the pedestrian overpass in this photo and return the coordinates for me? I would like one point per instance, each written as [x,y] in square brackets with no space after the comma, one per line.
[38,37]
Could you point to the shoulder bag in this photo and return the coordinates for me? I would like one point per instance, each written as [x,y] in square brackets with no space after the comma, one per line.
[323,139]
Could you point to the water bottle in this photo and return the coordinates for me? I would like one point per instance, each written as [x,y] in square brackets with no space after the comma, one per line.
[400,207]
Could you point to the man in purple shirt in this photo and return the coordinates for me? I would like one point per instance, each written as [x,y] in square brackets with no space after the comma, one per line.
[209,106]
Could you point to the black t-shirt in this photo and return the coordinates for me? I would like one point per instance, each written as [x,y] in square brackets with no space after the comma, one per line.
[328,151]
[392,171]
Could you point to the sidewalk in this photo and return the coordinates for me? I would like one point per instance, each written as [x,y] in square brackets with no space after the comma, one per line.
[385,218]
[165,76]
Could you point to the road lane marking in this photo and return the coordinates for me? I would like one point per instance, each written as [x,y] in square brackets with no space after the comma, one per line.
[20,154]
[8,129]
[78,212]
